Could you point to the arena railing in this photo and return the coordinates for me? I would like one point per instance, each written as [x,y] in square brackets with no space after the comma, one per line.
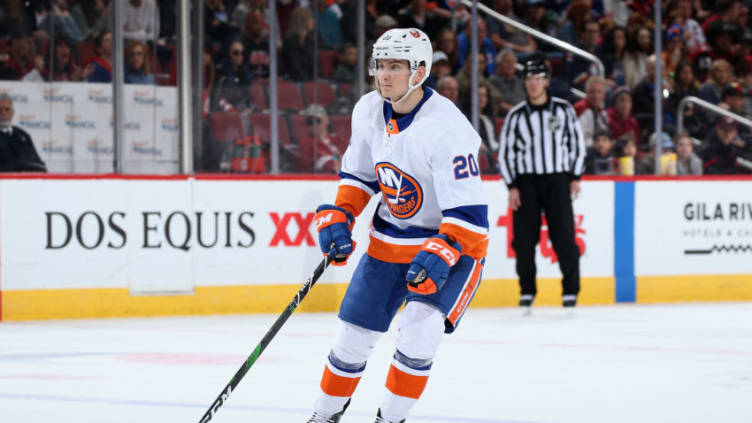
[715,109]
[540,35]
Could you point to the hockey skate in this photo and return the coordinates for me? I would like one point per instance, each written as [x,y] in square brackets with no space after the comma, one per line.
[322,418]
[569,302]
[526,304]
[380,419]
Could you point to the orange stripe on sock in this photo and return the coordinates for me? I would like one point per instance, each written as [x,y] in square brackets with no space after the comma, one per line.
[338,386]
[467,293]
[405,384]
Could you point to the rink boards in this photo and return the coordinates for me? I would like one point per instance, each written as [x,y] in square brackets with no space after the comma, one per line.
[101,246]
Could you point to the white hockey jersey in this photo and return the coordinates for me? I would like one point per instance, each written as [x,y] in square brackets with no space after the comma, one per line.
[425,166]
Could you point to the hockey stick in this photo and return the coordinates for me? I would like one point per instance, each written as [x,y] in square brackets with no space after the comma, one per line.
[267,338]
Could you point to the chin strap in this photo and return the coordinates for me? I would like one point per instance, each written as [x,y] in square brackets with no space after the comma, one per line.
[410,89]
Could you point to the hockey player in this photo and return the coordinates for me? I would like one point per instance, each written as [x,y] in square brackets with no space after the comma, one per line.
[429,234]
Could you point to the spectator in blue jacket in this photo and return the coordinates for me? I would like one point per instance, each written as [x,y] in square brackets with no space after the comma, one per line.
[485,47]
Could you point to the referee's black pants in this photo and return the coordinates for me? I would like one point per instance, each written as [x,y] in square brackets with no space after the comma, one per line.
[550,194]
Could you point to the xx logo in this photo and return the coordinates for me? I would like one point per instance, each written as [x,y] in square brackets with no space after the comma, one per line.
[281,234]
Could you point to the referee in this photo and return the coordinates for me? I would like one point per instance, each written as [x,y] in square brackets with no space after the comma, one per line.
[541,158]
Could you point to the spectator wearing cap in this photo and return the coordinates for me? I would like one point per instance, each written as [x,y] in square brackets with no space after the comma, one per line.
[347,59]
[646,165]
[23,52]
[503,36]
[439,69]
[592,109]
[674,50]
[694,36]
[734,98]
[722,147]
[383,24]
[720,76]
[600,156]
[621,123]
[448,87]
[485,47]
[17,151]
[735,95]
[319,150]
[507,83]
[687,162]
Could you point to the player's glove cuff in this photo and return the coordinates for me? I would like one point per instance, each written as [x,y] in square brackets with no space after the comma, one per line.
[334,225]
[430,268]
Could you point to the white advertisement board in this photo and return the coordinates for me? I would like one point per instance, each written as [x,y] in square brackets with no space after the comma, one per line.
[594,234]
[71,125]
[693,228]
[169,235]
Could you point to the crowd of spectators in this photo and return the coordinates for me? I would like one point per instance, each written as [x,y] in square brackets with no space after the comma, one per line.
[707,52]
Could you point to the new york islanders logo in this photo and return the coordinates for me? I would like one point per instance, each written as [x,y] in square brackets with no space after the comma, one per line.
[402,193]
[415,33]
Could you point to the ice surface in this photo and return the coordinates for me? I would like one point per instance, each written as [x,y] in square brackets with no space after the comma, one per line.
[622,363]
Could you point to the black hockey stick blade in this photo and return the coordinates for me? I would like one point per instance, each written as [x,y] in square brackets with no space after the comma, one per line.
[270,334]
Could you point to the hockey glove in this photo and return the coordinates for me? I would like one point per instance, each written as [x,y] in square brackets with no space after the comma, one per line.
[430,267]
[334,225]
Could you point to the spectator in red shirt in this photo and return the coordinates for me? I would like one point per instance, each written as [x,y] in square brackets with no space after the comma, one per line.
[319,150]
[621,123]
[591,110]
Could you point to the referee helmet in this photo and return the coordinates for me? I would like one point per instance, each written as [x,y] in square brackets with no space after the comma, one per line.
[535,65]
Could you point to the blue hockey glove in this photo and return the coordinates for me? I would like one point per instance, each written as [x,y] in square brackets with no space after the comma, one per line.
[430,267]
[334,225]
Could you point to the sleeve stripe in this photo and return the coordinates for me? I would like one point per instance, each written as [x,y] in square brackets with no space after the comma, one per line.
[468,240]
[357,184]
[352,198]
[476,215]
[465,225]
[371,187]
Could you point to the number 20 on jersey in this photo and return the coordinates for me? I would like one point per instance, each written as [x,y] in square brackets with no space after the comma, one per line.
[464,167]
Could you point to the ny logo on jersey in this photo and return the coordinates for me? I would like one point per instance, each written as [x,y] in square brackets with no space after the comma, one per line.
[402,193]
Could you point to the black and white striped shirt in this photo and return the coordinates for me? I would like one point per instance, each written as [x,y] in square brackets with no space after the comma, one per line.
[541,140]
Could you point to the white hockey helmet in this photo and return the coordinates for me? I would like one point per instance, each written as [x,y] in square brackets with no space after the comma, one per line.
[409,44]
